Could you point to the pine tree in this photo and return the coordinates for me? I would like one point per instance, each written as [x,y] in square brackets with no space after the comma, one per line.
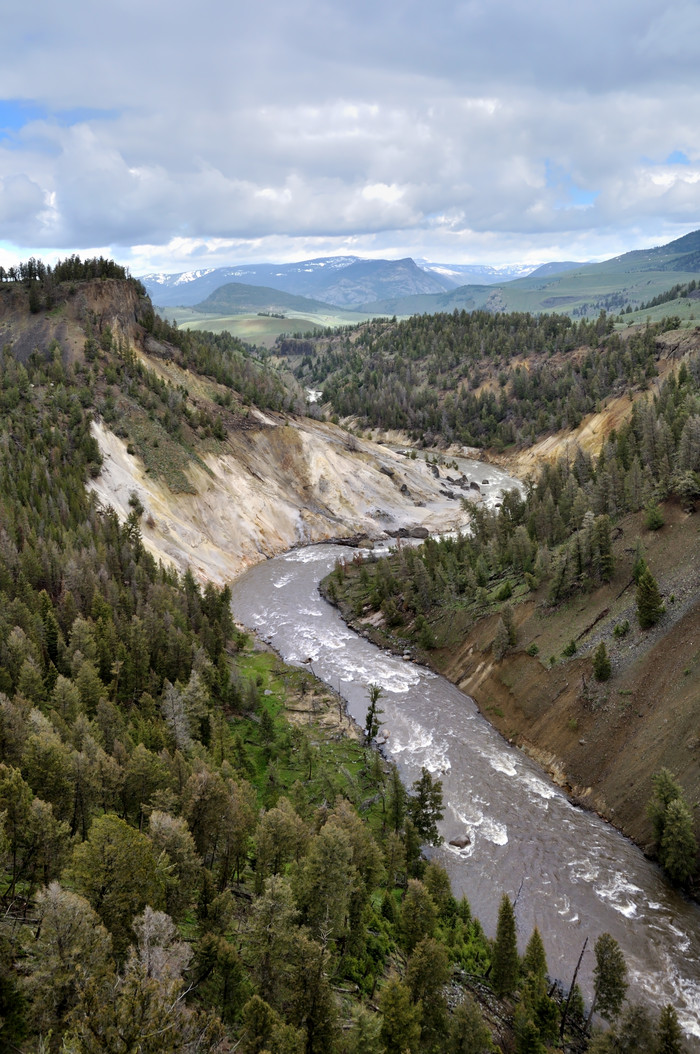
[666,789]
[500,641]
[401,1021]
[468,1033]
[535,959]
[505,961]
[650,607]
[669,1038]
[601,663]
[610,978]
[372,721]
[425,807]
[679,848]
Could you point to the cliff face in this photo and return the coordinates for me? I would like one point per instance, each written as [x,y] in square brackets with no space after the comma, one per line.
[279,483]
[78,308]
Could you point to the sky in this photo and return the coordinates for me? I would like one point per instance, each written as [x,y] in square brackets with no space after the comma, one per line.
[174,136]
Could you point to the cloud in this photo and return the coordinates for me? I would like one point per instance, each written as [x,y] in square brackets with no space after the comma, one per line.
[364,127]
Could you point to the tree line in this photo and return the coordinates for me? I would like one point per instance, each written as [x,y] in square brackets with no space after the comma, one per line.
[180,869]
[480,379]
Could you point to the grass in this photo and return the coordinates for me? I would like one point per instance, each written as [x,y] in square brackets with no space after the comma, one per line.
[262,329]
[161,455]
[325,763]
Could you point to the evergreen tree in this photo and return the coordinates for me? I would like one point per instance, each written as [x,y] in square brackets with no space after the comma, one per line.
[669,1038]
[372,721]
[650,607]
[418,914]
[601,663]
[610,978]
[400,1032]
[468,1033]
[425,807]
[505,964]
[666,789]
[679,847]
[427,973]
[535,959]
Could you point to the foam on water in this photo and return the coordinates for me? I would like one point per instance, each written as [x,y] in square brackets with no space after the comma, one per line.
[494,831]
[500,763]
[420,742]
[539,787]
[617,892]
[583,870]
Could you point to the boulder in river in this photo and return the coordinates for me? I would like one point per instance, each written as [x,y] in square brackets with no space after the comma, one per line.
[461,843]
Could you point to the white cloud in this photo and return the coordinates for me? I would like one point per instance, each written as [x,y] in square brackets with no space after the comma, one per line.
[236,131]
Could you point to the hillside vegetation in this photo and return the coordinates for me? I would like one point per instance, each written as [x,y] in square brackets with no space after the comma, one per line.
[581,292]
[182,869]
[482,380]
[583,593]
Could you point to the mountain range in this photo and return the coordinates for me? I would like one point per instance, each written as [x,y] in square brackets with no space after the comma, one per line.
[342,281]
[406,287]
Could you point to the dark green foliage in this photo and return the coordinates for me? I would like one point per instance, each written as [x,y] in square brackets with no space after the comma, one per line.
[601,663]
[400,1032]
[505,964]
[650,606]
[422,374]
[654,518]
[372,722]
[468,1033]
[535,959]
[673,826]
[425,807]
[679,847]
[116,870]
[633,1033]
[667,789]
[669,1038]
[610,977]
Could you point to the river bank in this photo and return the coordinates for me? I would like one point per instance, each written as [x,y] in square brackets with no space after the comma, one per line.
[602,742]
[576,875]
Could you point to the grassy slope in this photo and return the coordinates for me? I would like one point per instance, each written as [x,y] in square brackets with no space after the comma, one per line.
[636,277]
[262,329]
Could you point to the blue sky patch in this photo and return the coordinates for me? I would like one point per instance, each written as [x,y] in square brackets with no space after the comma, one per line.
[570,194]
[677,157]
[16,113]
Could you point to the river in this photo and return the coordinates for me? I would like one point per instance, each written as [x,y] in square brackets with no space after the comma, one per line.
[575,875]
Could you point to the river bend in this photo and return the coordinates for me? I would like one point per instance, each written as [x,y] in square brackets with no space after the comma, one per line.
[576,875]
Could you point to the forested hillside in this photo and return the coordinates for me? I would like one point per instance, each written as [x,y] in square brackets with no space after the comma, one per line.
[475,378]
[182,870]
[575,554]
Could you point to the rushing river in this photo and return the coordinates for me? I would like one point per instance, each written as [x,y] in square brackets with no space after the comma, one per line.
[575,875]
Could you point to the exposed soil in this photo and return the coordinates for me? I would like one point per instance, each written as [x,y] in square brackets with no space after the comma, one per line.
[603,741]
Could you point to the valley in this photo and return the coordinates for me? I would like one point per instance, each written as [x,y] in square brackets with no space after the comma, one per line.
[186,458]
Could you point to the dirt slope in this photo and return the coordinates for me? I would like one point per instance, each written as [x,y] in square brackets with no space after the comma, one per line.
[603,741]
[280,483]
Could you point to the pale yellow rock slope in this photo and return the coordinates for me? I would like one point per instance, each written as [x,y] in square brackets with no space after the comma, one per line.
[280,483]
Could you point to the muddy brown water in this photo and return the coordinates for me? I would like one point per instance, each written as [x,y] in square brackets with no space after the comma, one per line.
[575,876]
